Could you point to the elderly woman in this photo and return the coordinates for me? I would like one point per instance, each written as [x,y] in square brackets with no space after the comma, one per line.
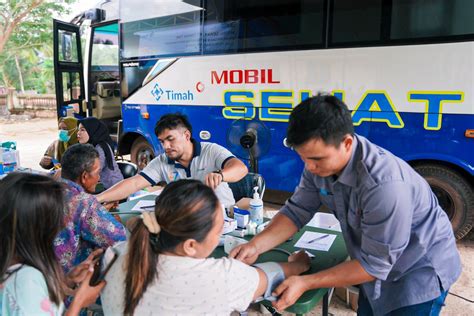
[67,136]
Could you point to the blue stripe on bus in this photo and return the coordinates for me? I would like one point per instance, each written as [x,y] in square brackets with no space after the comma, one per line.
[281,167]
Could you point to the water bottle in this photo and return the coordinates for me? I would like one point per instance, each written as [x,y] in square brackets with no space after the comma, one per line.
[256,208]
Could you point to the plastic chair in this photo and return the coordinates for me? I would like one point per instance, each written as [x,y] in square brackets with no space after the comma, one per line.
[244,187]
[127,169]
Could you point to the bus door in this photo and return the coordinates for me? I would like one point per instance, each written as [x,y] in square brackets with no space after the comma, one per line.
[68,70]
[103,75]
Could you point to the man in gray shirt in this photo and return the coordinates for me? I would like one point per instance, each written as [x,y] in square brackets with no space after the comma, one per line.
[184,158]
[401,245]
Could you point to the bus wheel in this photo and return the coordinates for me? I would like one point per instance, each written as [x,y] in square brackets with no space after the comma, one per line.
[455,195]
[141,153]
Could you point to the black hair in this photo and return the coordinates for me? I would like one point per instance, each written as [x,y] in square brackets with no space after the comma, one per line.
[172,121]
[32,214]
[77,159]
[322,117]
[184,210]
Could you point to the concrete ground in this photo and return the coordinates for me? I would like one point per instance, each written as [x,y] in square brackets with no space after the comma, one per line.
[34,136]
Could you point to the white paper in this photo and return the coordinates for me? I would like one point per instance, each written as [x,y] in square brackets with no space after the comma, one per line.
[144,205]
[326,221]
[316,241]
[140,194]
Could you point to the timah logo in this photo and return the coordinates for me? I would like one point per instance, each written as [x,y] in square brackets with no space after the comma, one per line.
[171,95]
[157,92]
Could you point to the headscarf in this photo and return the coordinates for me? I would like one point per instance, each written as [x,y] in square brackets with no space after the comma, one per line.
[71,124]
[99,135]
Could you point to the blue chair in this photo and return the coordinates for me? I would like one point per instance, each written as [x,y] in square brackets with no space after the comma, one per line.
[244,187]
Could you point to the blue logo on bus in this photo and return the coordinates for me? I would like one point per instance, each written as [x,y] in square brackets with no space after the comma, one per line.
[171,95]
[157,92]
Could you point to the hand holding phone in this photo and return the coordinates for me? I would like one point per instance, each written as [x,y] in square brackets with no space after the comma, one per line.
[78,274]
[85,294]
[103,265]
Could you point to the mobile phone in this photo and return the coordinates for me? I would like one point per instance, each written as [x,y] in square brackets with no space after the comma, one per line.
[101,268]
[56,163]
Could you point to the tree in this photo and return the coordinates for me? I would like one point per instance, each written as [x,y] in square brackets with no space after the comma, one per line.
[26,41]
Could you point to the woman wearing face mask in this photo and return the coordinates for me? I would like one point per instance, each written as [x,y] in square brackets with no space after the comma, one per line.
[67,136]
[92,131]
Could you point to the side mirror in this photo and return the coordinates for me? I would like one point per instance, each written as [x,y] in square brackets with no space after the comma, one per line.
[66,48]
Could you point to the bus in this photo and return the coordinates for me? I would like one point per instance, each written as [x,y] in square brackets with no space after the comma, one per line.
[238,68]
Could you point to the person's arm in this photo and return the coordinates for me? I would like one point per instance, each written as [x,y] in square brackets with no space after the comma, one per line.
[85,296]
[46,162]
[297,264]
[123,189]
[80,272]
[385,223]
[344,274]
[232,171]
[296,212]
[278,231]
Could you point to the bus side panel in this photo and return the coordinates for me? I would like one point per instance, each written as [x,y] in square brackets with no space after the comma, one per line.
[415,143]
[282,167]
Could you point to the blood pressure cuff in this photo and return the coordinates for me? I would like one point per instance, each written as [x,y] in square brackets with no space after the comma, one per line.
[275,276]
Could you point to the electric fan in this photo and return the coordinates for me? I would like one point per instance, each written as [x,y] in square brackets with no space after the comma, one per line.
[249,140]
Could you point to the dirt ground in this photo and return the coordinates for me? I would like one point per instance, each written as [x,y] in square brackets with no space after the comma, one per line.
[34,136]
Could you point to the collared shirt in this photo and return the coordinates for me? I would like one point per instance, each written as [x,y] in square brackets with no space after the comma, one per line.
[207,157]
[391,222]
[88,225]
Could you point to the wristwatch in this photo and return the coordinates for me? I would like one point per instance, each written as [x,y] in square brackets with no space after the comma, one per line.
[219,172]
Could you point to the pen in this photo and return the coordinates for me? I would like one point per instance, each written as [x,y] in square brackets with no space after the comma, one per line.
[317,238]
[125,213]
[148,206]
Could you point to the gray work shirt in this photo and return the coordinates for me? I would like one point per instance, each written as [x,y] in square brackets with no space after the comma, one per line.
[207,157]
[391,223]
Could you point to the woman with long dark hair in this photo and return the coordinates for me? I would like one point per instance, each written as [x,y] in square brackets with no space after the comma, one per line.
[92,131]
[167,269]
[31,280]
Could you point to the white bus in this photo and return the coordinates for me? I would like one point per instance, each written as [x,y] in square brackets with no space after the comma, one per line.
[238,67]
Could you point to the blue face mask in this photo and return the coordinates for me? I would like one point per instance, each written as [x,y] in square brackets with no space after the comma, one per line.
[64,135]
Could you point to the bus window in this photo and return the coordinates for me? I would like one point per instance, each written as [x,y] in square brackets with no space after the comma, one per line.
[356,21]
[105,50]
[245,25]
[162,29]
[133,74]
[435,18]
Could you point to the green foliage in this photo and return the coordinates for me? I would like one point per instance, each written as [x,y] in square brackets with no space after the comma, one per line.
[30,41]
